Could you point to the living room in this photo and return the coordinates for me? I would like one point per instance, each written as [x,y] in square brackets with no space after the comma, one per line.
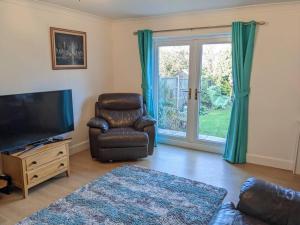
[194,139]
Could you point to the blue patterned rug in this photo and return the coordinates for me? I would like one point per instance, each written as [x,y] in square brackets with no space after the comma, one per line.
[134,195]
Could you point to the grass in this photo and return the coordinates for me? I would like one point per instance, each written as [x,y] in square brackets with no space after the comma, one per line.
[215,123]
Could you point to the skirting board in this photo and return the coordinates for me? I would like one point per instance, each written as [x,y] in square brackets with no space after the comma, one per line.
[270,161]
[79,147]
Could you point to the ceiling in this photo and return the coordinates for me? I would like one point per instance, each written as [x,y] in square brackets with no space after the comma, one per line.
[120,9]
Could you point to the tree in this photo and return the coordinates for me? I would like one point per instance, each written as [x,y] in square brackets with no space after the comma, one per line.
[172,60]
[216,79]
[217,63]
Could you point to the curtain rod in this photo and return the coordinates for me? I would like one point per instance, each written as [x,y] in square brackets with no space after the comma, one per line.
[198,28]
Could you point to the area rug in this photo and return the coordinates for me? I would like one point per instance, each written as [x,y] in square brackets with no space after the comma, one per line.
[134,195]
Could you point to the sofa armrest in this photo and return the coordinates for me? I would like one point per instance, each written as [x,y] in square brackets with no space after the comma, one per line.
[143,122]
[225,215]
[99,123]
[229,215]
[270,202]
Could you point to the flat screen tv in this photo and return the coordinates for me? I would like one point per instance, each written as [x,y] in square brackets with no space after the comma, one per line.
[29,118]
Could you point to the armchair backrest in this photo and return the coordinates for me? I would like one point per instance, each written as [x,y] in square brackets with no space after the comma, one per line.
[269,202]
[120,109]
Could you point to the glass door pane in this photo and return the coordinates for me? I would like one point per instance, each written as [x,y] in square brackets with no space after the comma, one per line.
[173,89]
[215,95]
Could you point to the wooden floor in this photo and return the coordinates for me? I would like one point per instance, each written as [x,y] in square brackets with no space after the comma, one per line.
[205,167]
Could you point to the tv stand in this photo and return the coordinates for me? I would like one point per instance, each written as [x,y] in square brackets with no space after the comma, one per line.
[36,165]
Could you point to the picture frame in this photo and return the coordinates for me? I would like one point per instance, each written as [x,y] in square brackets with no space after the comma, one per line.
[68,49]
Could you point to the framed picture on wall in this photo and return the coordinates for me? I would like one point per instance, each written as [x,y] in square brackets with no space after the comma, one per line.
[68,49]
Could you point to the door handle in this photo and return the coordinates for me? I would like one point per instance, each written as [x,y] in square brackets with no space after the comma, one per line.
[196,94]
[188,91]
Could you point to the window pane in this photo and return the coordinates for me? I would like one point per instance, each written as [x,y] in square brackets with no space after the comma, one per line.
[215,91]
[173,87]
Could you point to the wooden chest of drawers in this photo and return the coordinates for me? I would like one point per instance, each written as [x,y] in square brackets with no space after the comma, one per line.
[33,167]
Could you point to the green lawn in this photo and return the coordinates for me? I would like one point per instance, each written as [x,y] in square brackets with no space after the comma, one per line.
[215,123]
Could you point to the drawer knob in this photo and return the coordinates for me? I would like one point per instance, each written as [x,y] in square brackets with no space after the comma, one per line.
[34,163]
[35,176]
[62,164]
[60,153]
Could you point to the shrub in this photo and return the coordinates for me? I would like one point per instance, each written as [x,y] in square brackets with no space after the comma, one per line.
[171,118]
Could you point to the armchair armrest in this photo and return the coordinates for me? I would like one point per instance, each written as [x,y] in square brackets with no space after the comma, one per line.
[99,123]
[143,122]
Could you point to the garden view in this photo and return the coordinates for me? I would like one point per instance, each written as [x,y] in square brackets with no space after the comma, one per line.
[215,97]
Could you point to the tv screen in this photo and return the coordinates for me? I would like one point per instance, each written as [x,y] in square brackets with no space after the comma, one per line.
[29,118]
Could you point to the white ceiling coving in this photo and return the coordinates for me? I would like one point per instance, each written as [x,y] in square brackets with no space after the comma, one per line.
[120,9]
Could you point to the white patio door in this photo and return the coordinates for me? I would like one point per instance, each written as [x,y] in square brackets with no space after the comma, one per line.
[193,91]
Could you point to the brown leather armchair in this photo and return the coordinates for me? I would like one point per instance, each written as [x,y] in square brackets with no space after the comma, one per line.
[121,128]
[261,203]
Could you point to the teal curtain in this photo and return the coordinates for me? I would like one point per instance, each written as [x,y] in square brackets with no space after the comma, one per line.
[145,39]
[243,36]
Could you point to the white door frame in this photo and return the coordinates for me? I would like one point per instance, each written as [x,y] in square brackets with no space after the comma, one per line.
[195,42]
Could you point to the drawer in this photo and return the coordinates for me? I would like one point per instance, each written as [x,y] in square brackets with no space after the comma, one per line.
[42,158]
[47,171]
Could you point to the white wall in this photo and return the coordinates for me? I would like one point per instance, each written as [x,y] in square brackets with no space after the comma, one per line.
[275,84]
[25,57]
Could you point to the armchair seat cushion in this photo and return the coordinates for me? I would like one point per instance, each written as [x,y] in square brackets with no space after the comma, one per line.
[123,138]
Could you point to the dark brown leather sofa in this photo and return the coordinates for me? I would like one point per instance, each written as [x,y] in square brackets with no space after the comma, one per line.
[261,203]
[121,128]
